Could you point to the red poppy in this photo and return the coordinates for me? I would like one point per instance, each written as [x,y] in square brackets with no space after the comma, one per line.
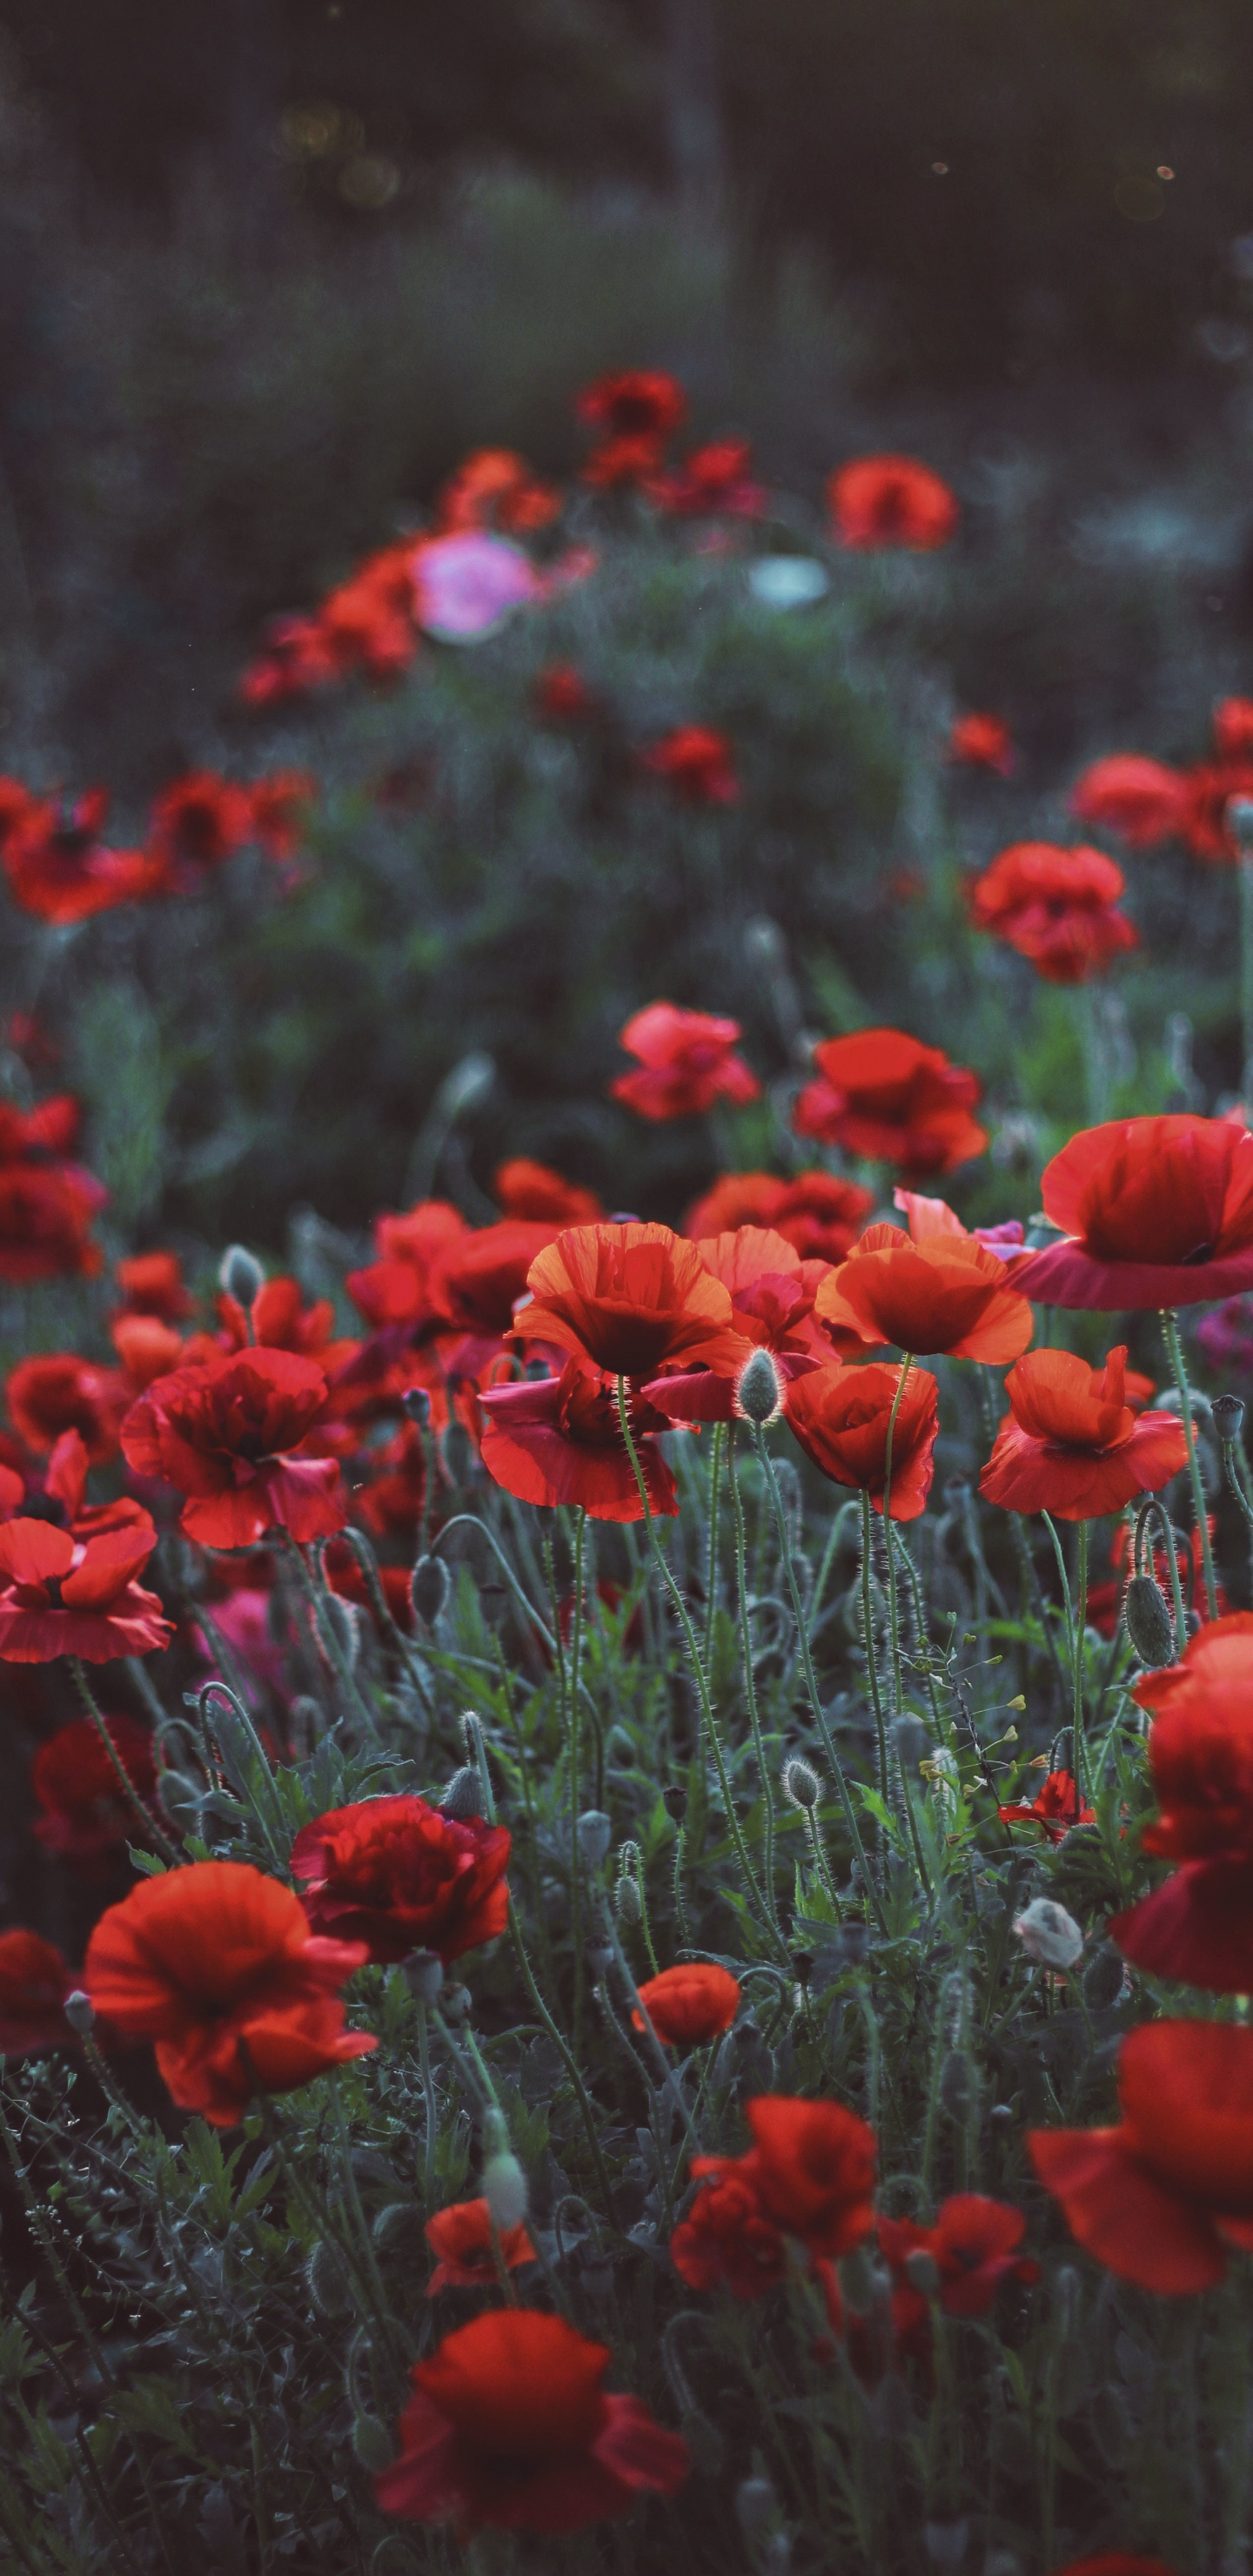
[61,1595]
[397,1875]
[278,808]
[945,1294]
[714,479]
[83,1817]
[698,763]
[46,1204]
[1056,1807]
[279,1320]
[509,2428]
[199,820]
[886,1096]
[1072,1446]
[559,1440]
[813,2164]
[16,802]
[222,1434]
[635,412]
[630,1298]
[840,1416]
[537,1194]
[772,1294]
[205,1957]
[1141,800]
[34,1982]
[151,1283]
[391,1503]
[1058,908]
[477,1286]
[1232,727]
[147,1349]
[58,1392]
[688,1061]
[727,2236]
[1198,1928]
[292,661]
[1157,1212]
[818,1213]
[396,1288]
[691,2004]
[1211,787]
[973,2245]
[880,501]
[460,2237]
[562,695]
[1161,2198]
[983,742]
[58,867]
[495,488]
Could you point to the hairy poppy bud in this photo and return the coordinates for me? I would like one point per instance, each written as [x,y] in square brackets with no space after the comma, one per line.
[416,1403]
[1228,1413]
[1148,1621]
[371,2442]
[628,1903]
[455,2003]
[599,1957]
[595,1830]
[674,1800]
[80,2013]
[341,1619]
[424,1975]
[756,2505]
[1103,1979]
[923,2272]
[429,1586]
[758,1394]
[1049,1934]
[504,2183]
[801,1786]
[911,1742]
[463,1796]
[330,2284]
[459,1454]
[804,1963]
[241,1275]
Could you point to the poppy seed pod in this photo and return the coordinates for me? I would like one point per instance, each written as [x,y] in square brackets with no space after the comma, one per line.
[241,1275]
[80,2013]
[1228,1413]
[504,2183]
[429,1586]
[595,1831]
[674,1800]
[910,1740]
[759,1389]
[463,1796]
[1049,1934]
[455,2003]
[424,1975]
[801,1785]
[923,2273]
[416,1404]
[1148,1621]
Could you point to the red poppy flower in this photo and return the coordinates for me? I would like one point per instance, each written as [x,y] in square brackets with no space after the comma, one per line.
[16,802]
[46,1205]
[199,820]
[509,2428]
[1058,908]
[688,1061]
[974,2246]
[1232,728]
[396,1288]
[1157,1212]
[698,763]
[477,1286]
[535,1193]
[147,1349]
[772,1294]
[946,1294]
[885,1095]
[690,2005]
[292,661]
[151,1283]
[58,1392]
[34,1982]
[222,1433]
[635,410]
[495,488]
[398,1875]
[1201,1744]
[818,1213]
[1141,800]
[726,2236]
[83,1817]
[1210,788]
[629,1298]
[813,2164]
[65,1596]
[461,2239]
[278,808]
[890,501]
[58,867]
[840,1416]
[205,1957]
[1072,1446]
[562,695]
[1161,2198]
[1056,1807]
[558,1440]
[279,1320]
[983,742]
[716,478]
[391,1503]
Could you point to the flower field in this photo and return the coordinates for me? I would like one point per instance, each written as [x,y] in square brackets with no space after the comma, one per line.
[626,1275]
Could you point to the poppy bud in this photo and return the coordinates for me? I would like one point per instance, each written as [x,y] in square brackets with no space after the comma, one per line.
[759,1390]
[801,1786]
[416,1403]
[1049,1934]
[1238,817]
[459,1454]
[595,1830]
[1103,1979]
[80,2013]
[341,1619]
[910,1740]
[1228,1413]
[674,1800]
[372,2442]
[463,1796]
[330,2287]
[628,1903]
[1148,1621]
[424,1975]
[429,1586]
[180,1799]
[241,1275]
[923,2272]
[599,1957]
[455,2002]
[863,2281]
[504,2183]
[467,1084]
[804,1963]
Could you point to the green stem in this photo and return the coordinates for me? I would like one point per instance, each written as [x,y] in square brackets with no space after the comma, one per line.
[151,1829]
[1170,1329]
[715,1470]
[872,1660]
[570,2064]
[1082,1769]
[432,2124]
[1244,874]
[893,1606]
[750,1682]
[572,1721]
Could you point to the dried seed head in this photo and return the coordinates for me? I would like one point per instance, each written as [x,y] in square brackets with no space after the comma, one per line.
[674,1800]
[801,1785]
[424,1975]
[416,1403]
[241,1275]
[759,1390]
[1228,1413]
[1049,1934]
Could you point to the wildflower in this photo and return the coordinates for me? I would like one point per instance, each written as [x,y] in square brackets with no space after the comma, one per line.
[1072,1446]
[698,763]
[690,2005]
[688,1061]
[199,821]
[466,587]
[277,810]
[946,1294]
[635,412]
[727,2236]
[34,1982]
[396,1286]
[772,1295]
[840,1416]
[813,2164]
[222,1434]
[562,695]
[1049,1934]
[397,1875]
[973,2246]
[61,1595]
[278,1319]
[883,1094]
[818,1213]
[630,1298]
[1156,1211]
[59,868]
[982,742]
[495,488]
[509,2428]
[1160,2199]
[1211,788]
[478,1284]
[82,1816]
[57,1392]
[1141,800]
[714,479]
[46,1203]
[151,1283]
[1198,1927]
[534,1192]
[1056,1807]
[1058,908]
[1232,728]
[460,2237]
[208,1957]
[559,1440]
[880,501]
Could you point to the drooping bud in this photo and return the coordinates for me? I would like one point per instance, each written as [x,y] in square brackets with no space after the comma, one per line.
[756,2505]
[424,1975]
[1228,1413]
[429,1586]
[504,2183]
[416,1404]
[923,2273]
[329,2280]
[759,1389]
[1148,1621]
[1049,1934]
[801,1785]
[241,1275]
[595,1832]
[599,1956]
[674,1800]
[1103,1979]
[455,2003]
[80,2013]
[341,1618]
[463,1796]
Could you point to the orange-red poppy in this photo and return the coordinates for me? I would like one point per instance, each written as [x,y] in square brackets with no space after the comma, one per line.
[945,1294]
[878,501]
[1156,1211]
[883,1094]
[840,1415]
[1058,908]
[1071,1444]
[1162,2198]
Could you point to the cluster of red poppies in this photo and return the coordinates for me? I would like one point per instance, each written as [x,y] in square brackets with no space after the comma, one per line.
[58,865]
[1146,803]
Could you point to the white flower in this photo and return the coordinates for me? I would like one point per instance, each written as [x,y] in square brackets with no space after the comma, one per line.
[1048,1933]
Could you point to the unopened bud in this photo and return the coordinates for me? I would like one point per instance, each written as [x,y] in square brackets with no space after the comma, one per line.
[923,2273]
[1103,1980]
[424,1975]
[80,2013]
[801,1786]
[416,1404]
[758,1395]
[1148,1621]
[674,1800]
[455,2003]
[595,1833]
[241,1275]
[459,1454]
[864,2282]
[1238,817]
[463,1796]
[1228,1413]
[756,2505]
[911,1742]
[804,1963]
[599,1957]
[343,1620]
[467,1084]
[628,1903]
[329,2280]
[1049,1934]
[504,2183]
[429,1586]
